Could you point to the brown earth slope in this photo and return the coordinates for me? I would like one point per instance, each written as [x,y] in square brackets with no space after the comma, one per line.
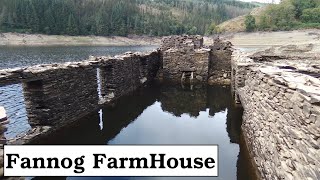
[237,24]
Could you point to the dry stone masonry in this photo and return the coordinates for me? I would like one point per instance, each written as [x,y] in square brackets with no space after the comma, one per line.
[220,62]
[182,42]
[187,59]
[280,94]
[123,74]
[57,94]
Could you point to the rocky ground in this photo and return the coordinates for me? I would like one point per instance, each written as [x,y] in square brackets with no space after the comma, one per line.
[16,39]
[263,40]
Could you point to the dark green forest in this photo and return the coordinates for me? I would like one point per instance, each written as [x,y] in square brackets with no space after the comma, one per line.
[117,17]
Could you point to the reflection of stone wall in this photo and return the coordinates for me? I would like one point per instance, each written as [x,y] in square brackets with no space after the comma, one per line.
[178,101]
[84,131]
[220,99]
[125,110]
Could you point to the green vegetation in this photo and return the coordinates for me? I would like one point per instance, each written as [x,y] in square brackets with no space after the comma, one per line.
[117,17]
[289,15]
[250,23]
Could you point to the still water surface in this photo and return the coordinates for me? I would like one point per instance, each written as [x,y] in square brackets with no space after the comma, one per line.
[25,56]
[167,114]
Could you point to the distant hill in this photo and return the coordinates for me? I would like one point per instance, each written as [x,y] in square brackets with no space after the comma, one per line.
[238,24]
[117,17]
[288,15]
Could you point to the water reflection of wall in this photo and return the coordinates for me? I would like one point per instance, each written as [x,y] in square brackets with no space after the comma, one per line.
[174,99]
[177,101]
[85,130]
[220,99]
[126,110]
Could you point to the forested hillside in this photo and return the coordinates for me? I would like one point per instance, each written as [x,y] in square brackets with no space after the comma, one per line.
[117,17]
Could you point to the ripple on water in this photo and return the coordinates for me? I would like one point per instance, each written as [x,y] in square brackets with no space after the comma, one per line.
[11,98]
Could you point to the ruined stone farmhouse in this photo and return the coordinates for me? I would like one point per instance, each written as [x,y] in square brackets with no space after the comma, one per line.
[279,90]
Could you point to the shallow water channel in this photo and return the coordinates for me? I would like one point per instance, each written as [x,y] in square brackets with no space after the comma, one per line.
[167,114]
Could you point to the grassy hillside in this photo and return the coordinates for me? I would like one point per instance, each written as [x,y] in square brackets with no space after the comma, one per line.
[238,24]
[117,17]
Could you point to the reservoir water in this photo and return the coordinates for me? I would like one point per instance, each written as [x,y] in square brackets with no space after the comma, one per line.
[167,114]
[11,57]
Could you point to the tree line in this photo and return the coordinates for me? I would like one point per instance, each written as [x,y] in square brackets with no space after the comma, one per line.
[117,17]
[288,15]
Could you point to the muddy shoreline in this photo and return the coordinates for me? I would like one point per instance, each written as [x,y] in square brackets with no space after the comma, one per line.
[16,39]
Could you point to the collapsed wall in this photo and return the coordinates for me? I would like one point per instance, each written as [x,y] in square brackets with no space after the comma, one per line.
[281,100]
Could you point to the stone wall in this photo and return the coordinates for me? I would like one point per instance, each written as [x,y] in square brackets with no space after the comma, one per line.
[185,59]
[179,61]
[281,124]
[61,95]
[220,62]
[182,42]
[185,56]
[240,65]
[56,94]
[123,74]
